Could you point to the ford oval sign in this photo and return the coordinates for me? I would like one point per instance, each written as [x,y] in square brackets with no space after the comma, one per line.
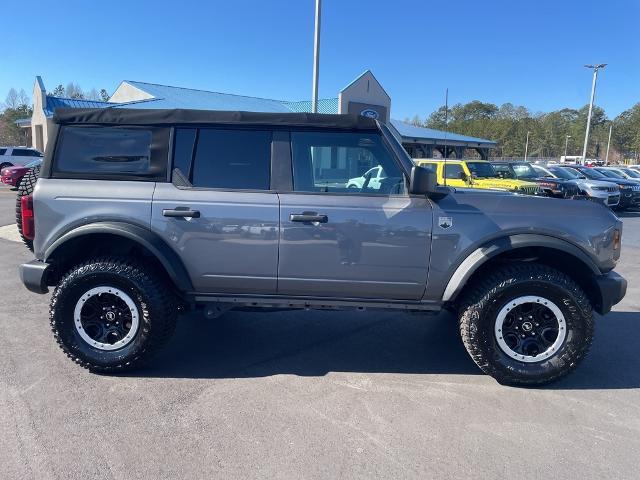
[369,112]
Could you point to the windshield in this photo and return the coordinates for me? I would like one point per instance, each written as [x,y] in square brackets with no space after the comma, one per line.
[566,173]
[35,163]
[610,173]
[591,173]
[543,172]
[503,170]
[631,172]
[524,170]
[481,169]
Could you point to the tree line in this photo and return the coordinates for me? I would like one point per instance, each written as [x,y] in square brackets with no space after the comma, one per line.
[17,105]
[548,132]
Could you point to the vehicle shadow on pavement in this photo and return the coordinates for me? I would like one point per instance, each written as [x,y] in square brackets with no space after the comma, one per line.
[246,345]
[614,360]
[242,344]
[628,214]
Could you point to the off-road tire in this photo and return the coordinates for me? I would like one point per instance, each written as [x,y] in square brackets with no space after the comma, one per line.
[26,186]
[151,293]
[480,306]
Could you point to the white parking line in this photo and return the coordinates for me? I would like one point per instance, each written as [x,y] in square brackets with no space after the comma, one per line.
[10,232]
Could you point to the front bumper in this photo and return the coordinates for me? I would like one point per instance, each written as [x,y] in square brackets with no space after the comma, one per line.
[610,289]
[34,276]
[629,199]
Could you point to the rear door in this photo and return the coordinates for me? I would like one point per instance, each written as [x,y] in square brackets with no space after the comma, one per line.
[219,213]
[370,242]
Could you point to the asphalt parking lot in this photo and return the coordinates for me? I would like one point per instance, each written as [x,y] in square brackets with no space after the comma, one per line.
[311,395]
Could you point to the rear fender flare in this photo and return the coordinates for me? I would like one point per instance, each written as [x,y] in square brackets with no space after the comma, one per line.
[167,257]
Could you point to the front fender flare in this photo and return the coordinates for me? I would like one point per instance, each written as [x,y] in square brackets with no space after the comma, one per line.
[146,238]
[503,244]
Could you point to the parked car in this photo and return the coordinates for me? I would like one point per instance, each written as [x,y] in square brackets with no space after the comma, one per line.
[127,243]
[552,187]
[372,178]
[599,192]
[631,173]
[616,174]
[622,172]
[475,174]
[10,156]
[13,175]
[629,190]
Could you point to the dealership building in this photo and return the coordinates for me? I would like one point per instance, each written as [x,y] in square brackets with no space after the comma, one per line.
[364,96]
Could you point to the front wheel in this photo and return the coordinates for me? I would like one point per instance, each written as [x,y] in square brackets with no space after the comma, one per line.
[526,324]
[112,315]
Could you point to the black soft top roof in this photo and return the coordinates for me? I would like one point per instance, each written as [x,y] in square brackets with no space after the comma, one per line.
[134,116]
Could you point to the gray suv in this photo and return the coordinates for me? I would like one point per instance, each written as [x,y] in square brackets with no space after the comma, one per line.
[139,214]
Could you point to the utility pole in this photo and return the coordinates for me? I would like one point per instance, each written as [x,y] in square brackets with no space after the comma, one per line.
[606,158]
[566,144]
[593,94]
[316,58]
[526,147]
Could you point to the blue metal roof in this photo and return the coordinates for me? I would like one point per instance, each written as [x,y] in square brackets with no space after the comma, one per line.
[325,105]
[408,131]
[58,102]
[178,97]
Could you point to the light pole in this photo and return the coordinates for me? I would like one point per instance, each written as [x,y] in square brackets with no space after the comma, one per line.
[606,158]
[593,94]
[316,58]
[526,147]
[566,144]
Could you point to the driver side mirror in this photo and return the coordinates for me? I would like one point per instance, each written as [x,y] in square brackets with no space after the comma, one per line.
[463,176]
[423,181]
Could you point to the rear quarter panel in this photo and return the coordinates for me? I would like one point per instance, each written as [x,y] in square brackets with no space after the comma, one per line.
[61,205]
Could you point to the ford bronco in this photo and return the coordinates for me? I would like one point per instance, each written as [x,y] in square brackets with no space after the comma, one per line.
[138,214]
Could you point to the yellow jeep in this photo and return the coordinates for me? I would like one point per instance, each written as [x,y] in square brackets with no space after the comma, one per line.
[474,174]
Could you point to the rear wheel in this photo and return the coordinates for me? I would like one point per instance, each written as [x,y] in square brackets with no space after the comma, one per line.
[526,324]
[112,315]
[26,186]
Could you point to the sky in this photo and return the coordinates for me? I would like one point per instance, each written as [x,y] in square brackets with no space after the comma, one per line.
[527,53]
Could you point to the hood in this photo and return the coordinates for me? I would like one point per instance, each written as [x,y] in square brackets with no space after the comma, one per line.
[504,183]
[592,183]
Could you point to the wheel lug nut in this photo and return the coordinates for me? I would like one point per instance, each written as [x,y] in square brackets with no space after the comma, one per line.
[523,335]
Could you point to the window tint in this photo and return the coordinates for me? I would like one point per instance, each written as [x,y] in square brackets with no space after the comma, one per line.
[453,171]
[21,152]
[355,163]
[3,151]
[233,159]
[104,150]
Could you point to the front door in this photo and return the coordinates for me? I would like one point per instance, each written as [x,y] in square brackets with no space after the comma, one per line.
[339,241]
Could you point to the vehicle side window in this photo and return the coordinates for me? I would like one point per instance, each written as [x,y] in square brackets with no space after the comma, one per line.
[106,152]
[429,166]
[3,151]
[232,159]
[344,162]
[183,149]
[21,152]
[453,171]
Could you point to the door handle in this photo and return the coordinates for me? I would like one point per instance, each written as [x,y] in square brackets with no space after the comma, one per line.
[180,213]
[308,218]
